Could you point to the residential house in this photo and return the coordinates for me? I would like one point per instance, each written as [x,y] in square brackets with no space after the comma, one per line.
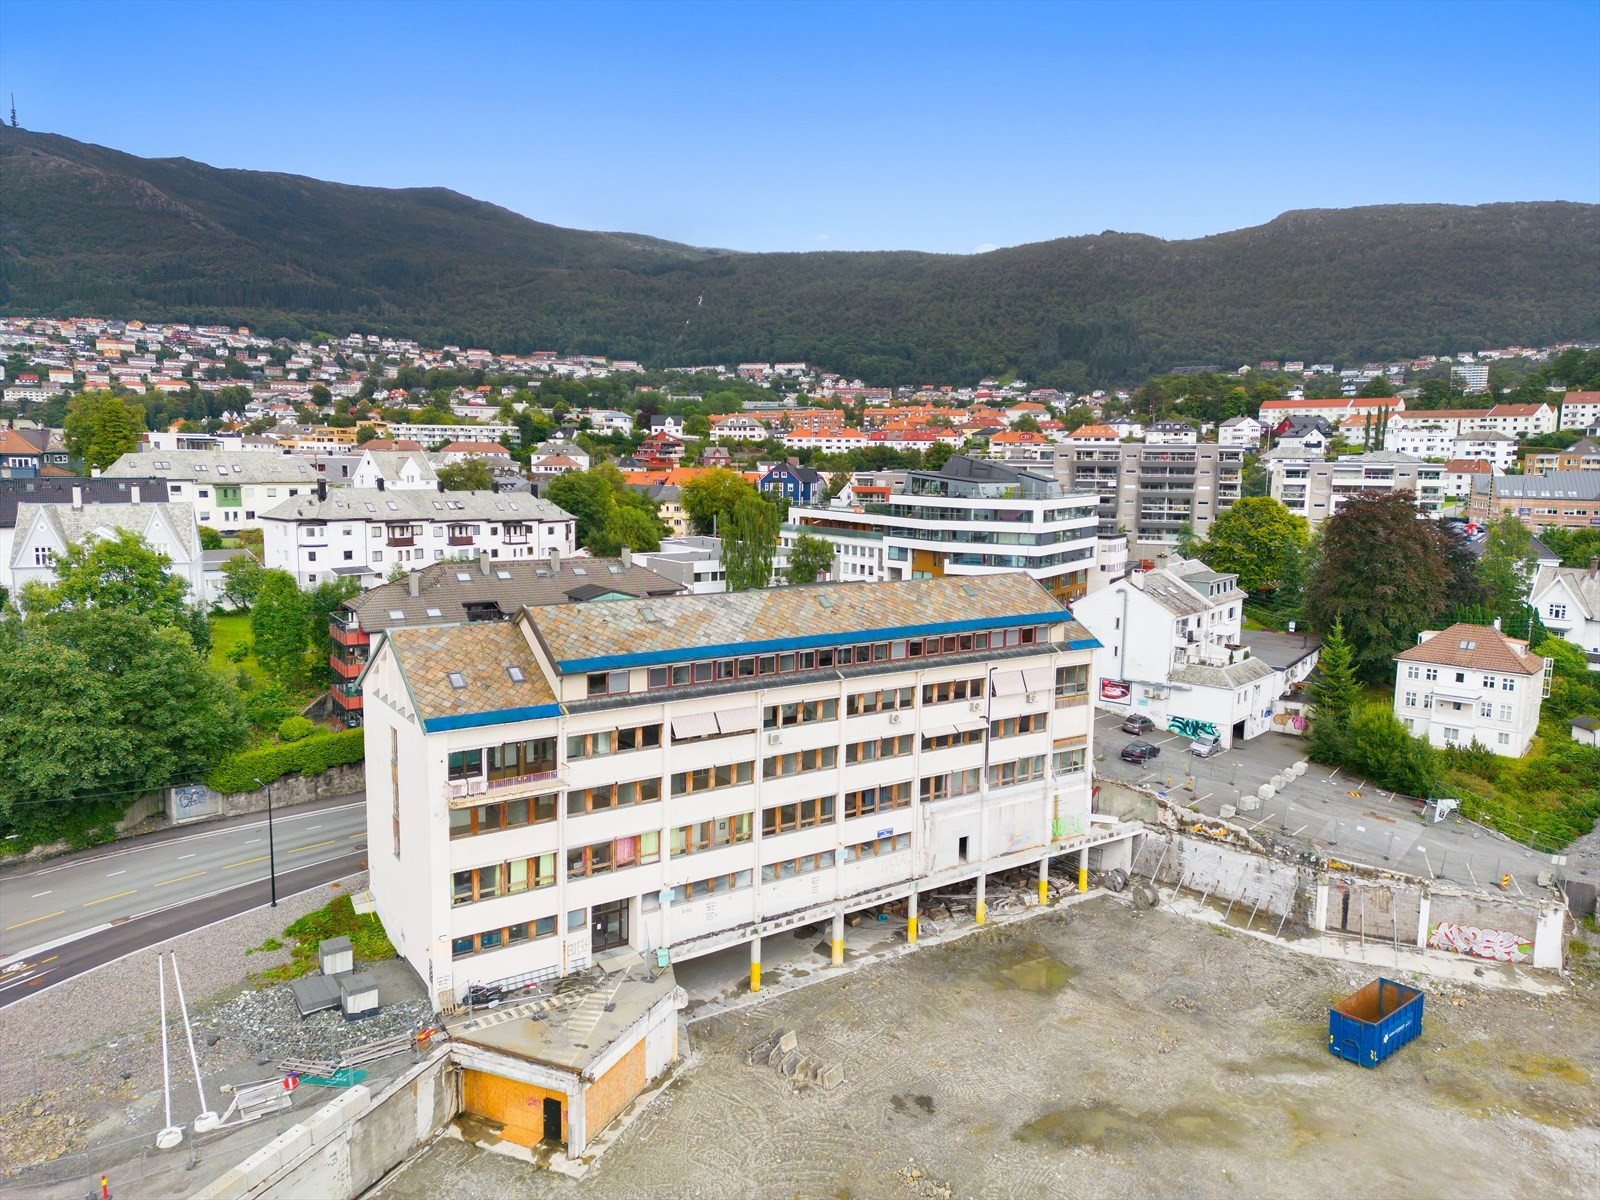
[1567,600]
[453,593]
[1470,684]
[1582,455]
[593,778]
[492,453]
[1310,435]
[1488,444]
[1173,649]
[396,470]
[1171,433]
[20,458]
[1521,420]
[736,427]
[1580,410]
[796,484]
[42,532]
[229,491]
[1459,474]
[367,534]
[1093,435]
[1244,432]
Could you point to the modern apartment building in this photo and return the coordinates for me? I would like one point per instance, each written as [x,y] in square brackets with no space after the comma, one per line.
[1579,410]
[1564,499]
[1152,492]
[453,592]
[229,490]
[972,517]
[1471,683]
[697,772]
[1315,489]
[366,534]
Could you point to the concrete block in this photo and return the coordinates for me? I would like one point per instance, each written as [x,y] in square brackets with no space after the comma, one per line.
[333,1117]
[790,1063]
[775,1056]
[271,1158]
[832,1077]
[230,1185]
[788,1041]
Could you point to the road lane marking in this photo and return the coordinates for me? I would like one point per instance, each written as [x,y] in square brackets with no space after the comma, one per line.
[36,895]
[181,857]
[46,917]
[114,874]
[51,959]
[118,896]
[179,879]
[351,838]
[312,828]
[246,862]
[253,842]
[313,846]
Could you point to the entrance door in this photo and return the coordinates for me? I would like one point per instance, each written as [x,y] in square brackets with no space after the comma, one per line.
[610,925]
[552,1120]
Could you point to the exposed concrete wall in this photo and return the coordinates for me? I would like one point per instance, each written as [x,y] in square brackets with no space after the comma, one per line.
[1124,802]
[297,789]
[1226,872]
[142,809]
[347,1145]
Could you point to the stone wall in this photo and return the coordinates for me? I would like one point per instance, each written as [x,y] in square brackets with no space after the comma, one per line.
[297,789]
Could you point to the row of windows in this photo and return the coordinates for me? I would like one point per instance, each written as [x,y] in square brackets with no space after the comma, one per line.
[883,700]
[602,857]
[780,716]
[953,689]
[605,796]
[951,785]
[1023,770]
[799,762]
[686,783]
[508,935]
[958,737]
[512,760]
[803,814]
[502,879]
[758,665]
[877,749]
[714,886]
[883,845]
[1505,683]
[511,814]
[711,835]
[882,798]
[613,741]
[1015,726]
[791,867]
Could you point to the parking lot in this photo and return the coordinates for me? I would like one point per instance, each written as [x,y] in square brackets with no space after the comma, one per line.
[1345,817]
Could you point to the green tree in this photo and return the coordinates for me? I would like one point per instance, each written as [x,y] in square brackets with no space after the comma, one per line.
[102,701]
[749,542]
[321,602]
[469,475]
[241,580]
[1507,565]
[1333,694]
[936,455]
[1027,423]
[810,558]
[628,526]
[587,497]
[1376,388]
[366,434]
[210,539]
[1257,539]
[279,626]
[709,499]
[101,427]
[123,573]
[1379,748]
[1384,575]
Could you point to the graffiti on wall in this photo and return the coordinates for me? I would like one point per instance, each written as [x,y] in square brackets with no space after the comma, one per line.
[1481,943]
[1191,727]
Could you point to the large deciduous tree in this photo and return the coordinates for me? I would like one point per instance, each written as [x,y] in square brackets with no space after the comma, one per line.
[749,542]
[122,573]
[101,427]
[1385,575]
[280,625]
[810,558]
[469,475]
[1258,540]
[609,513]
[711,498]
[1508,563]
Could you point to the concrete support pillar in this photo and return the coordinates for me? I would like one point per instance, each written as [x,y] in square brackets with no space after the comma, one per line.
[911,917]
[577,1133]
[1083,871]
[755,964]
[1422,923]
[983,881]
[838,939]
[1044,880]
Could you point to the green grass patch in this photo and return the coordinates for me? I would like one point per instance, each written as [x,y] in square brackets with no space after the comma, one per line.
[338,918]
[227,633]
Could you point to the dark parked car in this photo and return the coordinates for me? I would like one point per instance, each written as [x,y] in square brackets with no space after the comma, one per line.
[1139,752]
[1137,723]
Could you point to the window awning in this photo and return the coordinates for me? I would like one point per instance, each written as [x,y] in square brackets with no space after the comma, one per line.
[1009,683]
[1038,679]
[739,720]
[934,731]
[971,725]
[694,725]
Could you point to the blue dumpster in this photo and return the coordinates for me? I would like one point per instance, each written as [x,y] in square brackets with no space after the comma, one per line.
[1368,1026]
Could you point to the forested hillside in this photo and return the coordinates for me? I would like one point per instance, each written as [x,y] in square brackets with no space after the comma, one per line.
[88,230]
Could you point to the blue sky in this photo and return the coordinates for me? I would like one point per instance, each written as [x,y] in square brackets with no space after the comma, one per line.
[846,126]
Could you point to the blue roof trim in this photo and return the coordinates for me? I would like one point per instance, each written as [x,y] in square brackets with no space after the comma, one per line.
[812,642]
[503,716]
[1086,644]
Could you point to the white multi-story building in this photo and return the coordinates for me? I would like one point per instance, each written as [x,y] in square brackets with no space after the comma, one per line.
[1567,600]
[1489,445]
[1580,410]
[971,517]
[1471,683]
[696,772]
[366,534]
[395,470]
[1474,377]
[1519,420]
[1422,439]
[432,435]
[229,490]
[1315,489]
[43,532]
[1244,432]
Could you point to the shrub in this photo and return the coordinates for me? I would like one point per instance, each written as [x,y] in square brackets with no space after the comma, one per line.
[267,706]
[239,651]
[293,729]
[309,756]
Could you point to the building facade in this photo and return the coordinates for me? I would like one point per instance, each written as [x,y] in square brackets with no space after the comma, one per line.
[43,532]
[1557,499]
[1152,492]
[1567,600]
[692,773]
[1471,683]
[1314,489]
[229,491]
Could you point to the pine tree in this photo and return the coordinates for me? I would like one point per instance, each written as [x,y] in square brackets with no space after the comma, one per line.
[1334,693]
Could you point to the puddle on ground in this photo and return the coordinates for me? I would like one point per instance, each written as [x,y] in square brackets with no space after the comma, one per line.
[1113,1129]
[918,1105]
[1535,1085]
[1029,967]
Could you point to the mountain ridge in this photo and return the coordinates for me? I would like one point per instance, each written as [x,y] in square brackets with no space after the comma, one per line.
[92,230]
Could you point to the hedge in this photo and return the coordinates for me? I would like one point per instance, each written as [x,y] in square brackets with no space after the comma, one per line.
[310,756]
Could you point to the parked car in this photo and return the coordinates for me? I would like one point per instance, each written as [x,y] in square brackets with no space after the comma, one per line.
[1137,723]
[1205,745]
[1140,752]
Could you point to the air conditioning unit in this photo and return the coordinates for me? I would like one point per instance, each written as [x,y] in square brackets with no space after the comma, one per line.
[1033,697]
[976,706]
[894,718]
[458,790]
[774,739]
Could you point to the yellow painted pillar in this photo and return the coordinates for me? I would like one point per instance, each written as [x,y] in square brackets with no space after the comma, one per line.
[1083,870]
[755,964]
[1044,880]
[911,918]
[983,906]
[838,939]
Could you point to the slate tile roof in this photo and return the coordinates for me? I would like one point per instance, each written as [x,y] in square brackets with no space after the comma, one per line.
[695,626]
[1480,647]
[481,653]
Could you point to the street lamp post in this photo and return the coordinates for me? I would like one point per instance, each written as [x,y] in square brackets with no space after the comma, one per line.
[272,855]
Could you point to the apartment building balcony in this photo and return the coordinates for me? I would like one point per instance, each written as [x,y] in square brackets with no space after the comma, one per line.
[459,539]
[401,541]
[350,634]
[467,792]
[345,699]
[345,668]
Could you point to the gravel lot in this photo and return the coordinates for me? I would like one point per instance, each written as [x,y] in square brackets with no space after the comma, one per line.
[95,1084]
[1092,1052]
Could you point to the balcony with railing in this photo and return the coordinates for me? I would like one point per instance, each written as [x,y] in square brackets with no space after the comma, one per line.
[345,663]
[460,792]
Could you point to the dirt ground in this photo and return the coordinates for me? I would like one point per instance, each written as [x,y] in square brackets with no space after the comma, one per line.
[1093,1052]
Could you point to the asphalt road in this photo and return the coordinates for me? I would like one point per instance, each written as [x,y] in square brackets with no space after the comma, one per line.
[82,910]
[1345,817]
